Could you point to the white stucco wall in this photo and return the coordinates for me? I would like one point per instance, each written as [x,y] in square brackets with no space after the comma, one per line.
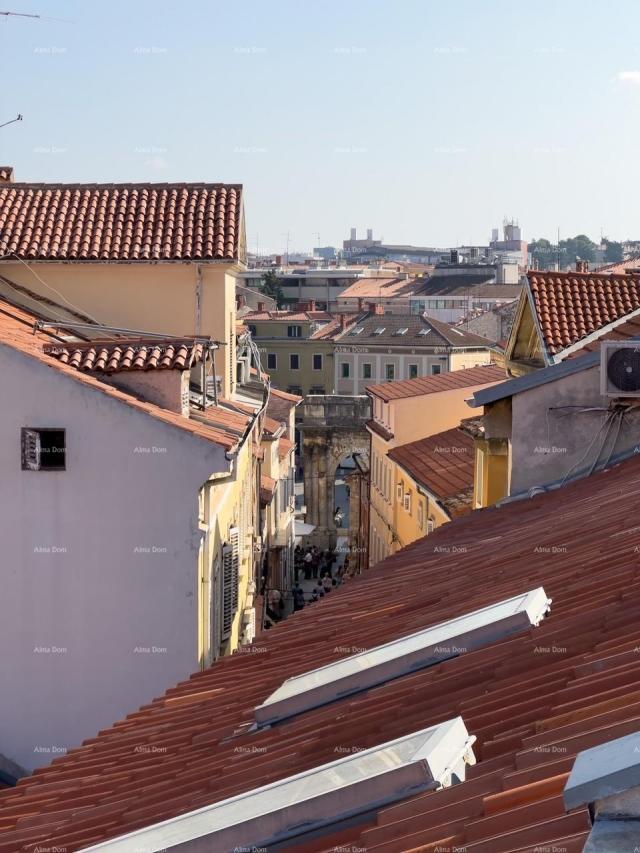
[550,435]
[99,561]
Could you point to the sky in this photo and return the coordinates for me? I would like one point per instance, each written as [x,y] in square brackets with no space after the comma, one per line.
[428,121]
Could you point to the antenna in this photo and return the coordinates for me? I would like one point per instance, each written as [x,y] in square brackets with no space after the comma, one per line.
[19,117]
[19,15]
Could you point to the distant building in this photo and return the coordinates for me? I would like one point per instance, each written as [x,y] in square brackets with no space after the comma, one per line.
[367,249]
[382,347]
[404,412]
[394,294]
[512,246]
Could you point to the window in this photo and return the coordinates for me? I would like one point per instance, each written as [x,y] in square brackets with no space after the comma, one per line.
[43,449]
[413,371]
[421,515]
[253,330]
[431,525]
[348,786]
[294,361]
[345,371]
[317,361]
[390,372]
[399,332]
[357,331]
[407,502]
[379,330]
[294,331]
[399,491]
[272,361]
[366,370]
[230,571]
[316,389]
[294,389]
[427,647]
[435,369]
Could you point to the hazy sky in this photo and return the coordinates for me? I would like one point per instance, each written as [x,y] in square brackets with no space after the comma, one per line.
[426,120]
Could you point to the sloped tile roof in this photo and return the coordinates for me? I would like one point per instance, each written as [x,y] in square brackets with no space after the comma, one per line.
[443,464]
[17,332]
[267,489]
[625,331]
[382,288]
[115,356]
[489,374]
[121,222]
[533,700]
[572,305]
[285,315]
[421,331]
[284,447]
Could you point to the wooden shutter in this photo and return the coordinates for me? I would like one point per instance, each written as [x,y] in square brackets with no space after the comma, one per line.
[31,449]
[230,571]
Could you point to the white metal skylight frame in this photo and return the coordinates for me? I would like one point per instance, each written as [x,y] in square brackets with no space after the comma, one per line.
[379,330]
[364,780]
[424,332]
[357,331]
[424,648]
[401,331]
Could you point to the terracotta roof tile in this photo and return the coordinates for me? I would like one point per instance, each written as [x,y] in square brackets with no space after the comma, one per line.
[121,222]
[570,305]
[17,331]
[532,700]
[489,374]
[267,489]
[443,464]
[114,356]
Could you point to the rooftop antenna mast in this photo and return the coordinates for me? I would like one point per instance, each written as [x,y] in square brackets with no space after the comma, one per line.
[19,15]
[11,121]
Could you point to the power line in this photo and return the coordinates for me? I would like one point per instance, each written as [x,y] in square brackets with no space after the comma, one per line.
[18,118]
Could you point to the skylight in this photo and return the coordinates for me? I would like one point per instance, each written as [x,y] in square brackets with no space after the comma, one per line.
[424,760]
[401,331]
[356,331]
[424,332]
[407,654]
[379,330]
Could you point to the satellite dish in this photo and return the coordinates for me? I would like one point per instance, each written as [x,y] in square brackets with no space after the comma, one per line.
[623,368]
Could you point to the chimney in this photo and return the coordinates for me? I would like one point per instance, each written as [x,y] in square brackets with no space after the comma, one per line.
[312,305]
[278,260]
[606,778]
[241,300]
[372,307]
[6,175]
[343,321]
[360,304]
[260,306]
[378,309]
[353,234]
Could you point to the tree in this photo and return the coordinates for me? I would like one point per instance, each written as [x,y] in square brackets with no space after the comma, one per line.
[613,254]
[271,287]
[578,247]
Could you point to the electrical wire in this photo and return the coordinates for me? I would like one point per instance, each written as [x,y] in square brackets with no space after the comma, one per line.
[606,422]
[42,281]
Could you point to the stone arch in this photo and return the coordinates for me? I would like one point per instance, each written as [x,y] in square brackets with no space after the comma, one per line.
[332,427]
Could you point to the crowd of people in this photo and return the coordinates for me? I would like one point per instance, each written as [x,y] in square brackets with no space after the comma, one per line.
[310,563]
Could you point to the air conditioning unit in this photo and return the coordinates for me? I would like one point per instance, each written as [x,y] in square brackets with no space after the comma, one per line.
[620,368]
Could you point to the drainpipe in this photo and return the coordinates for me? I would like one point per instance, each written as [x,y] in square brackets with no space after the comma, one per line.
[198,298]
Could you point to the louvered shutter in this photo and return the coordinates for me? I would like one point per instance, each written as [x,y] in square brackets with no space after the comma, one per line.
[230,566]
[31,449]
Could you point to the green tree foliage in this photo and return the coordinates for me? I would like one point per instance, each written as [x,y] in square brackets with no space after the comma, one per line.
[613,253]
[271,287]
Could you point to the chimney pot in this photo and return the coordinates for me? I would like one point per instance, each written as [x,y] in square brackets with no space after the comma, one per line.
[260,306]
[379,309]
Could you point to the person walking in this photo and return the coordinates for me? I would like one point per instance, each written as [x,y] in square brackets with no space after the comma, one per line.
[308,564]
[298,598]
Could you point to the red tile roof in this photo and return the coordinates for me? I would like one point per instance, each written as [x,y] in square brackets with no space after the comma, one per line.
[267,489]
[625,331]
[284,315]
[17,331]
[489,374]
[381,288]
[114,356]
[572,305]
[121,222]
[533,700]
[443,464]
[622,267]
[285,447]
